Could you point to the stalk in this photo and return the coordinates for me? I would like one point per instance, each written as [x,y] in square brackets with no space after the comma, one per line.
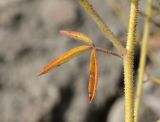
[142,59]
[108,52]
[129,63]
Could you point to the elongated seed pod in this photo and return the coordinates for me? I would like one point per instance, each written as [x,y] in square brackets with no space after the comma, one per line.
[77,36]
[64,58]
[93,80]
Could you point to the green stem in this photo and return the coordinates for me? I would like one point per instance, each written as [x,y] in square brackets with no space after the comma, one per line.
[104,28]
[128,63]
[142,59]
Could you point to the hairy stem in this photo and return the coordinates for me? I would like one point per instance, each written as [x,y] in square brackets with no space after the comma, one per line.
[104,28]
[129,63]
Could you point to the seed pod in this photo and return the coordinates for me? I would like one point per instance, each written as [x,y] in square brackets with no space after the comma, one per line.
[93,80]
[64,58]
[77,36]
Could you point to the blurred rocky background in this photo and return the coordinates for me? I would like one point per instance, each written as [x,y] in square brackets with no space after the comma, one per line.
[29,39]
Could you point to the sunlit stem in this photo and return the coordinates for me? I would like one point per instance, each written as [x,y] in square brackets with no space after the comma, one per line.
[129,63]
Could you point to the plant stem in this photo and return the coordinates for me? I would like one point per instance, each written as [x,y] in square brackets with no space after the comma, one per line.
[104,28]
[142,59]
[108,52]
[129,63]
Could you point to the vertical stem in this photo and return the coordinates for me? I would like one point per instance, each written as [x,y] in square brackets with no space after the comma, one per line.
[142,59]
[128,63]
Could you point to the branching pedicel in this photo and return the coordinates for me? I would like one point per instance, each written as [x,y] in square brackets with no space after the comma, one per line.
[89,45]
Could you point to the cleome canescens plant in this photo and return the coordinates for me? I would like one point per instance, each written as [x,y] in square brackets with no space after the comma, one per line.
[93,68]
[132,96]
